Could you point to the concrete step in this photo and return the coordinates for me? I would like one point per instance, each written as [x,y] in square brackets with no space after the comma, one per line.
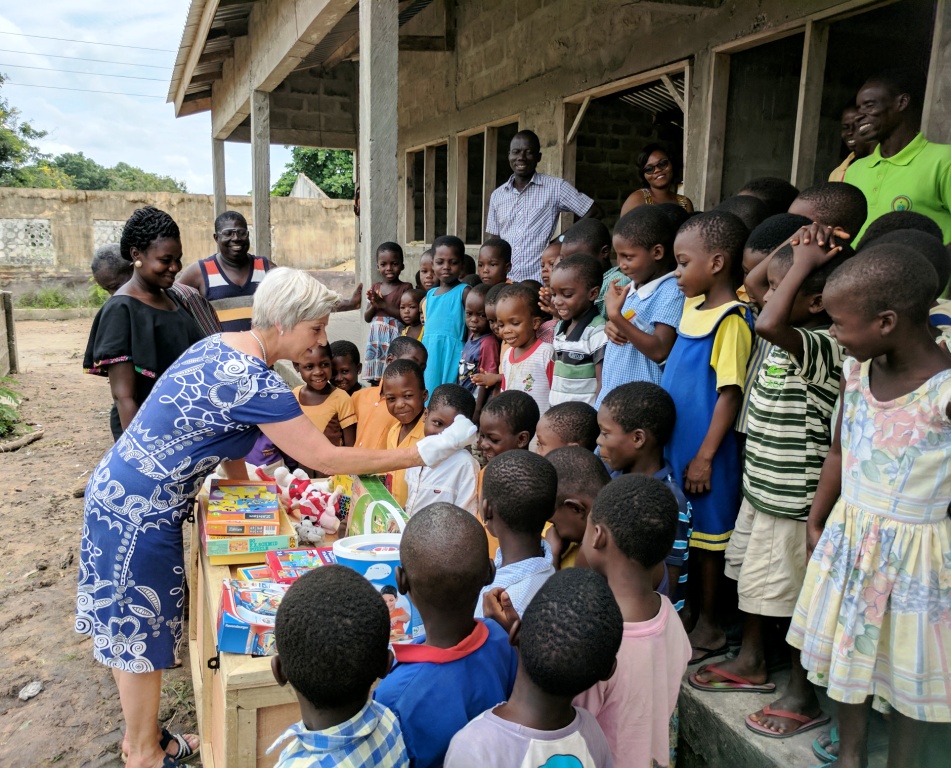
[713,733]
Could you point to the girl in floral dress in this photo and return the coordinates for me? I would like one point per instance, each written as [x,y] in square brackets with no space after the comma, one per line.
[873,619]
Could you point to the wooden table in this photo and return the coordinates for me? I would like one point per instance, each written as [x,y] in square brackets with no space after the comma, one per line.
[241,710]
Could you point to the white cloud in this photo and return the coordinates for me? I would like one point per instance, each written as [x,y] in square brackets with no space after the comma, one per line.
[113,128]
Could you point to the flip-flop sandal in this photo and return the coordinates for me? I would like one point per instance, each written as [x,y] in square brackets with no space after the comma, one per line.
[822,752]
[709,653]
[730,683]
[806,723]
[185,753]
[170,762]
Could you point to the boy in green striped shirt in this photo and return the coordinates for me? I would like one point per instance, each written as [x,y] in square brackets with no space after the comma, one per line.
[789,433]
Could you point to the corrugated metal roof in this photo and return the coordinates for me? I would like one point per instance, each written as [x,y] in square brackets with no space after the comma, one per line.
[654,97]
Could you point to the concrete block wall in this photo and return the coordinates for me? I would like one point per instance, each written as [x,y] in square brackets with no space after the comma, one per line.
[307,233]
[761,112]
[313,108]
[609,141]
[524,57]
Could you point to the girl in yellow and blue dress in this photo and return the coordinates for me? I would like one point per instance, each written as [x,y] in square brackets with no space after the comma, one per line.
[704,375]
[873,621]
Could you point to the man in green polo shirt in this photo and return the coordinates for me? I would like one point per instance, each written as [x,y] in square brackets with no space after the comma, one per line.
[906,172]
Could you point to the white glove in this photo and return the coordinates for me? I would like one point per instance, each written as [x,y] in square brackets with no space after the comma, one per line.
[437,448]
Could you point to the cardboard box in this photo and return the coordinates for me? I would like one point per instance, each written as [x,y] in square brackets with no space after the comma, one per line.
[247,615]
[233,497]
[246,528]
[368,505]
[242,550]
[288,565]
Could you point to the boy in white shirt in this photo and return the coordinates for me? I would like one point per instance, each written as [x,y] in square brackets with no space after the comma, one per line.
[454,481]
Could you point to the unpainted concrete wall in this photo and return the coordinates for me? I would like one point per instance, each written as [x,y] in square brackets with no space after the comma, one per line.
[309,234]
[608,145]
[524,57]
[313,108]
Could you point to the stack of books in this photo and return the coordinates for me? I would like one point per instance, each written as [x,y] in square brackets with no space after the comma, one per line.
[241,508]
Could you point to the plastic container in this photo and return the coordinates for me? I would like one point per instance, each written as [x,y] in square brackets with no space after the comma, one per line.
[375,557]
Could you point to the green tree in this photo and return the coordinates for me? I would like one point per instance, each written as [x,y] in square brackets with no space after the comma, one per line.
[329,169]
[85,172]
[17,149]
[128,178]
[23,165]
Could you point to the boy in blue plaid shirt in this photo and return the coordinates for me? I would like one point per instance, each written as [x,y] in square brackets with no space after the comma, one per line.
[332,634]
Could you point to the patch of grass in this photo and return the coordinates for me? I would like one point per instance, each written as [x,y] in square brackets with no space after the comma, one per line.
[47,298]
[97,296]
[57,297]
[9,400]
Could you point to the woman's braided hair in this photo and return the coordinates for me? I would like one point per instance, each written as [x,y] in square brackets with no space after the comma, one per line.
[144,226]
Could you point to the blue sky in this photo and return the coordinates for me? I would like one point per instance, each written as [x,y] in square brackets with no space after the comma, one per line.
[112,128]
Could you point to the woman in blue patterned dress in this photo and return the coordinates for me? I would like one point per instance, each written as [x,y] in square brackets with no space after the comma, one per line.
[209,407]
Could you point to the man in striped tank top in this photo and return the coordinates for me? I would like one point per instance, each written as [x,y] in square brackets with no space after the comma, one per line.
[229,278]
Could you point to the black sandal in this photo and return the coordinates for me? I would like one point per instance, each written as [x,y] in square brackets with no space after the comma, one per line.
[185,753]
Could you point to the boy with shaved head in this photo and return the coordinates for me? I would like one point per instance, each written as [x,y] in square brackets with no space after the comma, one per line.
[463,666]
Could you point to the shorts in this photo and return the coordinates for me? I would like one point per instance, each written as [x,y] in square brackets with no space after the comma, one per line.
[766,556]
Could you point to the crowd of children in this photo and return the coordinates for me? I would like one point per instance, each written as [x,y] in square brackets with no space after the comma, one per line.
[748,409]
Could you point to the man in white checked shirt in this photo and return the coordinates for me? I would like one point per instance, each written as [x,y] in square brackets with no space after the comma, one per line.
[525,209]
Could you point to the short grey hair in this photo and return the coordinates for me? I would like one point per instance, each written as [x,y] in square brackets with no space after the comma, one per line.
[288,296]
[107,257]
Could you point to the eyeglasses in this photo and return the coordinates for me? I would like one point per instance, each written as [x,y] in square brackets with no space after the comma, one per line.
[650,170]
[239,233]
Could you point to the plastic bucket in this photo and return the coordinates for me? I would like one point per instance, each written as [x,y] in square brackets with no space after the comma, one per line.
[375,557]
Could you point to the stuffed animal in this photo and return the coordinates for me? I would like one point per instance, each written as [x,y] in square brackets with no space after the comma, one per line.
[308,533]
[312,498]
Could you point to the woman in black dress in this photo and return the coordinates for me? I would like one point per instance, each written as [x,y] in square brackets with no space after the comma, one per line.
[140,331]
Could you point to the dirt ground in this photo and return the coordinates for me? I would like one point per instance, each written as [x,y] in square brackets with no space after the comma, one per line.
[76,720]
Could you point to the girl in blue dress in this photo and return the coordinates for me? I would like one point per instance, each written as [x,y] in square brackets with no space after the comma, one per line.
[445,313]
[704,375]
[209,407]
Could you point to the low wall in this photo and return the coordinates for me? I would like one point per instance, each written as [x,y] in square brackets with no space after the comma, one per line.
[47,236]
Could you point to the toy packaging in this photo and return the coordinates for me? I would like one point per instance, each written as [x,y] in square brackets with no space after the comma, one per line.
[288,565]
[243,550]
[248,613]
[239,508]
[254,573]
[370,507]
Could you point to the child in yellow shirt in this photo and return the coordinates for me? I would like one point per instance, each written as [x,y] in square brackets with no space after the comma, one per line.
[404,392]
[319,399]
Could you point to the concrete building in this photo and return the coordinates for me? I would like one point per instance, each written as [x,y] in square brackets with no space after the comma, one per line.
[429,92]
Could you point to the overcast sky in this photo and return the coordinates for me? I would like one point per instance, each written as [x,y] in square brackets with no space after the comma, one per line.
[141,130]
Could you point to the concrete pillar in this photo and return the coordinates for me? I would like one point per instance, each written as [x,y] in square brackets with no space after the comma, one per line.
[936,116]
[218,174]
[261,172]
[379,45]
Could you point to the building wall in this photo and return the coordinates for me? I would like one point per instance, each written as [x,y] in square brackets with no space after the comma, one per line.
[524,57]
[313,108]
[51,234]
[607,148]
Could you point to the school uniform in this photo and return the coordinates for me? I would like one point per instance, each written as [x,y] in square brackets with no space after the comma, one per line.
[435,692]
[711,352]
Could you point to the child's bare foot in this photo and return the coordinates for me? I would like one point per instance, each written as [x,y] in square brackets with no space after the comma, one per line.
[706,640]
[741,666]
[805,707]
[828,744]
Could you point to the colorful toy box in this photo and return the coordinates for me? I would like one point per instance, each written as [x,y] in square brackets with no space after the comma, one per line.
[243,550]
[368,506]
[241,508]
[247,615]
[288,565]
